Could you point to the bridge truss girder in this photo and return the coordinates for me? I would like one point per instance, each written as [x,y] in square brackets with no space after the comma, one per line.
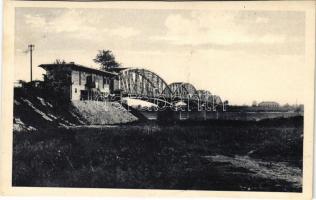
[142,82]
[183,90]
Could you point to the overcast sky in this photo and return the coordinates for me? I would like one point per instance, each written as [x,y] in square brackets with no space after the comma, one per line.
[240,55]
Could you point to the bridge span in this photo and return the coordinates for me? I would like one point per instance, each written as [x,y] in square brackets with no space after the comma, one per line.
[149,86]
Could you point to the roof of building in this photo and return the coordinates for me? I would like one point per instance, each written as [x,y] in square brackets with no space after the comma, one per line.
[272,102]
[74,66]
[117,69]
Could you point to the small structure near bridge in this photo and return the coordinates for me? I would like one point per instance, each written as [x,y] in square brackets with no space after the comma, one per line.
[77,82]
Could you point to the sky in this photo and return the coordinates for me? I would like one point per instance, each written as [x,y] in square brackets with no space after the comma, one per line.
[242,56]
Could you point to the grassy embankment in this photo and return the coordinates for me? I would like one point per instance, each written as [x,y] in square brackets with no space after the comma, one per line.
[181,156]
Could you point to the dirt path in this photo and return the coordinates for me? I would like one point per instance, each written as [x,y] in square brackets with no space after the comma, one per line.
[263,169]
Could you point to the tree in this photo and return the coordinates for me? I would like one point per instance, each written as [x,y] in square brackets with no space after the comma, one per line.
[59,62]
[106,59]
[59,80]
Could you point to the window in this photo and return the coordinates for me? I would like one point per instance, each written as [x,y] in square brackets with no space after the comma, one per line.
[75,90]
[79,77]
[105,81]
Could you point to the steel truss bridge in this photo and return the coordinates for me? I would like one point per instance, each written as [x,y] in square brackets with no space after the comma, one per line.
[147,85]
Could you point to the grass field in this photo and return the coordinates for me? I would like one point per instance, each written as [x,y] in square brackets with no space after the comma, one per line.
[213,155]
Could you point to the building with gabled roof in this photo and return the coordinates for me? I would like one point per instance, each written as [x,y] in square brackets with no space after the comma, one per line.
[78,82]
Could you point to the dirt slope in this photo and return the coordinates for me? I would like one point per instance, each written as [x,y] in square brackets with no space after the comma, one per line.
[96,112]
[34,110]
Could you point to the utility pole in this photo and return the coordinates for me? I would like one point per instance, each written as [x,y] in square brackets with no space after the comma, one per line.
[31,48]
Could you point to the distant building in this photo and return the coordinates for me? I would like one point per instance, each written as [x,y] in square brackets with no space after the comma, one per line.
[23,84]
[78,82]
[18,84]
[269,104]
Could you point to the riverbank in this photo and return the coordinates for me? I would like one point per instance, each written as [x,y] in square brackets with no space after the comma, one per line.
[215,115]
[173,156]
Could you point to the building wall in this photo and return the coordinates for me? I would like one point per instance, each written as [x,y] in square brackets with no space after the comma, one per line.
[79,81]
[76,86]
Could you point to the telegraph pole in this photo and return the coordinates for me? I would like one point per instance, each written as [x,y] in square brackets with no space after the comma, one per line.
[31,48]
